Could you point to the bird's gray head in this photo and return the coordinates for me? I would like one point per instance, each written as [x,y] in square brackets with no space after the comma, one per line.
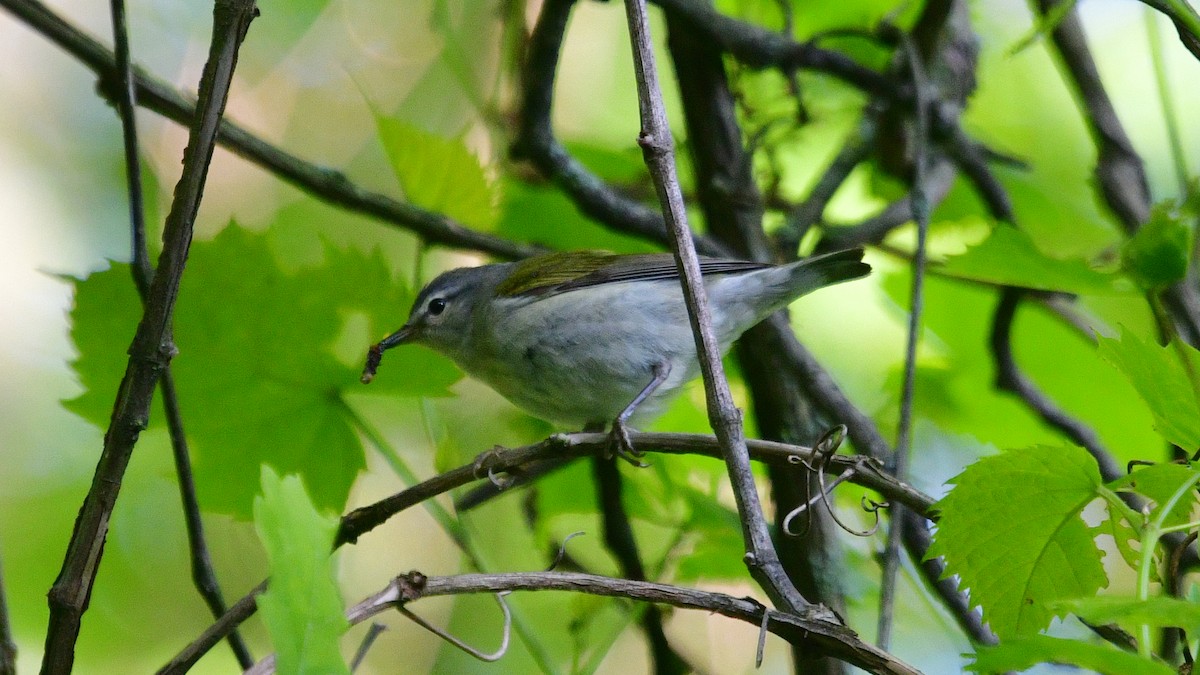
[444,313]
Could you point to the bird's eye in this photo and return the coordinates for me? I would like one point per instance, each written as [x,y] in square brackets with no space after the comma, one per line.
[437,306]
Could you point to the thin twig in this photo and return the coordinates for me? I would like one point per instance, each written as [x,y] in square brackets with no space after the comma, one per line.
[829,637]
[151,350]
[658,150]
[618,536]
[203,575]
[900,458]
[329,185]
[228,622]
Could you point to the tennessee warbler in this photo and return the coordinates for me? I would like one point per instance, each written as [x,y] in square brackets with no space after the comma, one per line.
[583,338]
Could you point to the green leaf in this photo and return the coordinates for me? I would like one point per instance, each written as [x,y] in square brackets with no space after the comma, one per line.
[1160,483]
[1024,653]
[438,173]
[1162,382]
[1008,256]
[1157,612]
[301,607]
[715,535]
[1012,532]
[257,374]
[1157,256]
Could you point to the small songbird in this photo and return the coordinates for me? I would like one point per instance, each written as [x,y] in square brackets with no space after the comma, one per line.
[586,338]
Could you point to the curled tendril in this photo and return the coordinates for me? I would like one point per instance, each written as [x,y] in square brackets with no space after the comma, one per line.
[482,656]
[562,550]
[823,450]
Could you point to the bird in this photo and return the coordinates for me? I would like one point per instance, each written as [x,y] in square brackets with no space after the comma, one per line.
[589,339]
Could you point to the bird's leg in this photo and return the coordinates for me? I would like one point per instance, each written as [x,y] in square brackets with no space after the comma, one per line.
[620,432]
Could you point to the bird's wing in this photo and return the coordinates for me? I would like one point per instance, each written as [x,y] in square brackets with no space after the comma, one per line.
[561,272]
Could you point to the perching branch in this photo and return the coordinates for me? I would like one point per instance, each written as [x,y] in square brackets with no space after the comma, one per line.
[866,471]
[328,185]
[152,347]
[826,636]
[202,570]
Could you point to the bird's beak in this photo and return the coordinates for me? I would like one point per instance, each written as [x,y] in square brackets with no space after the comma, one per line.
[406,334]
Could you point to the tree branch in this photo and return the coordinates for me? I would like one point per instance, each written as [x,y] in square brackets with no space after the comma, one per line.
[920,206]
[826,636]
[658,150]
[225,625]
[863,471]
[152,346]
[732,206]
[202,570]
[1010,378]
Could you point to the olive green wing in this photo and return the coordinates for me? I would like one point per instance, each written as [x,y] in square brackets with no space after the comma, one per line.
[562,272]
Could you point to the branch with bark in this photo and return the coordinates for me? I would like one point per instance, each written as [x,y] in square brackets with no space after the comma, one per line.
[152,347]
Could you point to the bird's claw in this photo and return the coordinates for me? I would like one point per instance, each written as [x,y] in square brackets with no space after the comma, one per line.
[621,445]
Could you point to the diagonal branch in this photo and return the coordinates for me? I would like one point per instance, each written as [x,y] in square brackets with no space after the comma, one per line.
[203,574]
[1120,174]
[152,347]
[329,185]
[732,205]
[726,419]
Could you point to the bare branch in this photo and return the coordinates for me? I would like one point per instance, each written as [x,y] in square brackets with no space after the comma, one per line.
[867,472]
[240,611]
[1010,378]
[920,207]
[1120,174]
[202,570]
[152,347]
[827,637]
[658,150]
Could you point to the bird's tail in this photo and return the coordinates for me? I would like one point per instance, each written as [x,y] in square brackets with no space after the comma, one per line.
[825,270]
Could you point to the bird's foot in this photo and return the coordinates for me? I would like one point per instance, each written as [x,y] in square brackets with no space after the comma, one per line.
[622,446]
